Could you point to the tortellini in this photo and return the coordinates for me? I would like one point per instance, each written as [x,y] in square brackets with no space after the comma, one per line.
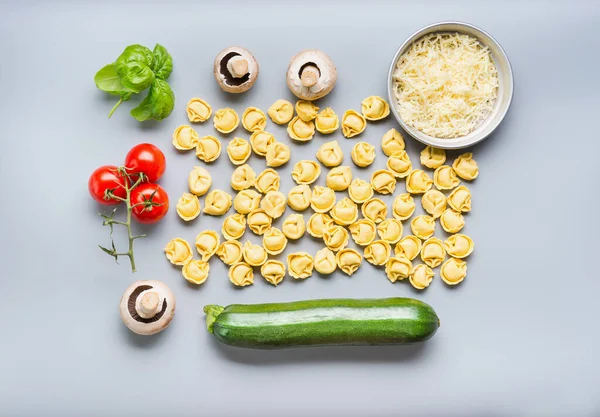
[322,199]
[325,262]
[208,149]
[399,164]
[398,268]
[199,181]
[433,252]
[277,154]
[198,110]
[330,154]
[258,221]
[335,237]
[453,271]
[363,231]
[348,260]
[460,199]
[390,230]
[281,112]
[344,212]
[260,141]
[418,182]
[363,154]
[459,245]
[403,206]
[273,203]
[300,265]
[360,191]
[378,252]
[421,276]
[234,226]
[207,243]
[188,207]
[353,123]
[241,274]
[375,108]
[268,180]
[294,226]
[217,203]
[273,271]
[433,157]
[374,209]
[254,119]
[306,172]
[185,138]
[178,251]
[339,178]
[452,221]
[392,142]
[409,247]
[317,224]
[245,201]
[327,121]
[299,197]
[196,271]
[226,120]
[383,181]
[434,203]
[444,178]
[230,252]
[239,151]
[254,255]
[274,241]
[466,167]
[300,130]
[242,178]
[306,110]
[423,226]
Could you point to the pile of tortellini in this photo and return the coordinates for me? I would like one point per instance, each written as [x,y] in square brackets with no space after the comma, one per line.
[361,215]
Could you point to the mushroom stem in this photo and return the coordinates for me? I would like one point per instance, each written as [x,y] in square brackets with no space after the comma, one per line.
[149,304]
[237,66]
[309,76]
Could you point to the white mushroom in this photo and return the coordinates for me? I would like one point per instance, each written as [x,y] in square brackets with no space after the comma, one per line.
[236,69]
[147,307]
[311,74]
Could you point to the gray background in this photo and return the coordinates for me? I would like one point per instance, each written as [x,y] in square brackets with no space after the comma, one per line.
[518,337]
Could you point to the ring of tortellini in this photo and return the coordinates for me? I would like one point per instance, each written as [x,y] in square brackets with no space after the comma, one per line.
[339,178]
[325,262]
[277,154]
[344,212]
[300,130]
[306,172]
[421,276]
[459,246]
[360,190]
[254,255]
[432,157]
[198,110]
[230,252]
[185,138]
[242,178]
[452,221]
[260,141]
[322,199]
[207,243]
[418,182]
[299,197]
[363,231]
[306,110]
[444,178]
[274,241]
[460,199]
[390,230]
[317,224]
[466,167]
[273,203]
[188,207]
[246,200]
[254,119]
[258,221]
[226,120]
[281,112]
[453,271]
[195,271]
[398,268]
[353,123]
[375,108]
[363,154]
[327,121]
[199,181]
[273,271]
[268,180]
[208,149]
[241,274]
[423,226]
[399,164]
[234,226]
[239,150]
[434,203]
[217,203]
[433,252]
[293,227]
[403,206]
[300,265]
[374,209]
[348,260]
[378,252]
[178,251]
[392,142]
[383,181]
[409,247]
[336,237]
[330,154]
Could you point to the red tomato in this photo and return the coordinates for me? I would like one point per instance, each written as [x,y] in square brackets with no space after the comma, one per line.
[107,177]
[153,200]
[148,159]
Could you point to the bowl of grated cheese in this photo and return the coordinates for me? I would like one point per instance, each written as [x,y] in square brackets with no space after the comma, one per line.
[450,85]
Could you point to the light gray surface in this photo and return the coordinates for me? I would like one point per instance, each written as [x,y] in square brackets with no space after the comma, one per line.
[518,337]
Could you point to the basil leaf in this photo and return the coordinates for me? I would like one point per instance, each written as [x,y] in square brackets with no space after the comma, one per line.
[108,80]
[163,62]
[158,104]
[134,67]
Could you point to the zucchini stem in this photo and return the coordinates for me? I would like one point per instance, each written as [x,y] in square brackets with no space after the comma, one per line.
[212,311]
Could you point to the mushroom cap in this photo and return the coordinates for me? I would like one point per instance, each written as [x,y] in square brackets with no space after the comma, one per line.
[320,82]
[235,83]
[147,307]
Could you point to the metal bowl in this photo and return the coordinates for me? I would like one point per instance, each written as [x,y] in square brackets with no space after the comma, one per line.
[505,86]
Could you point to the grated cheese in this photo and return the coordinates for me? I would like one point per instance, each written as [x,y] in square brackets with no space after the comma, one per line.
[445,84]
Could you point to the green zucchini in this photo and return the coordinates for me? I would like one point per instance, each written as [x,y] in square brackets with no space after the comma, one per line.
[322,322]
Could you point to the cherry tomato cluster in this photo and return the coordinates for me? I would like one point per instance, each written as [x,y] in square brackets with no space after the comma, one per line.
[149,201]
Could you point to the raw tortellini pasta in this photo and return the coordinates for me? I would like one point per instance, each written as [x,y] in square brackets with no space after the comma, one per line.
[378,252]
[207,243]
[273,271]
[403,206]
[433,157]
[375,108]
[217,203]
[460,199]
[390,230]
[277,154]
[392,142]
[409,247]
[459,245]
[453,271]
[318,223]
[360,191]
[325,262]
[363,231]
[230,252]
[195,271]
[466,167]
[281,112]
[268,180]
[363,154]
[274,241]
[254,119]
[199,181]
[421,276]
[258,221]
[299,197]
[239,151]
[260,141]
[353,123]
[374,209]
[188,206]
[198,110]
[335,237]
[273,203]
[300,265]
[242,178]
[306,172]
[339,178]
[322,199]
[241,274]
[226,120]
[234,226]
[245,201]
[208,149]
[306,110]
[348,260]
[294,226]
[398,268]
[178,251]
[327,121]
[434,203]
[452,221]
[418,182]
[383,181]
[399,164]
[254,255]
[423,226]
[185,138]
[330,154]
[433,252]
[445,178]
[344,212]
[300,130]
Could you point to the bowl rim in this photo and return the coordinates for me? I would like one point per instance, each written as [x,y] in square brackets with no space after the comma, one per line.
[439,142]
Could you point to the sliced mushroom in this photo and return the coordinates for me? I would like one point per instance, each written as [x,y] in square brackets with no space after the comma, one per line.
[236,69]
[311,74]
[147,307]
